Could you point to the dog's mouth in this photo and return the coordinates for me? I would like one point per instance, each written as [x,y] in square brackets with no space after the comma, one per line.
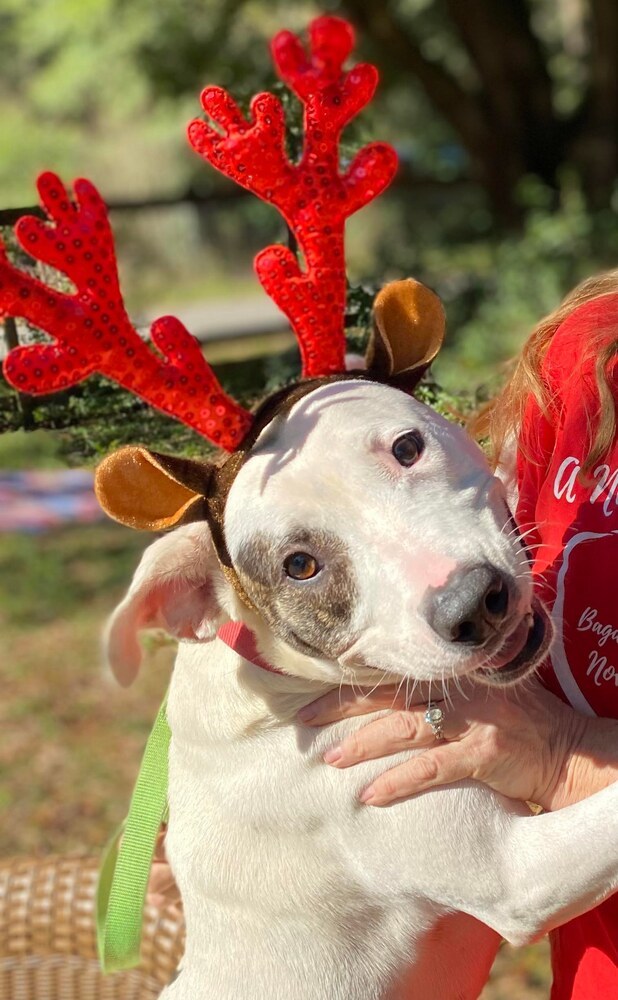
[521,651]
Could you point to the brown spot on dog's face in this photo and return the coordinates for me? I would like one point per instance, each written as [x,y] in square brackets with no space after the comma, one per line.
[314,615]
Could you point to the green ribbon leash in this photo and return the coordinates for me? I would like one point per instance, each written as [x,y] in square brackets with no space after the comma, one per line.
[125,869]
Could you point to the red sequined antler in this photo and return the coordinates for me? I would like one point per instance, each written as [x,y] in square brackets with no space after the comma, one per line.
[91,329]
[313,196]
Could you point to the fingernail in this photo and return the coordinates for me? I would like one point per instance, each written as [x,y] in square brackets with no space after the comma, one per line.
[368,795]
[307,714]
[333,755]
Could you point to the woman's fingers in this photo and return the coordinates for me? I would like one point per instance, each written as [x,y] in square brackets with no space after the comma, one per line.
[345,702]
[441,766]
[162,888]
[515,743]
[387,736]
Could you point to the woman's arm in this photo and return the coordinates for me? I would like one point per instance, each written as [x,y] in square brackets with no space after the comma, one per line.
[592,765]
[524,742]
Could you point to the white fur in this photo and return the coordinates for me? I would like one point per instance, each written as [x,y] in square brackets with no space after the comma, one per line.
[292,890]
[329,465]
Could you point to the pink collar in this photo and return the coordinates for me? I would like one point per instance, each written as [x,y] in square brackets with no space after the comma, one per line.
[241,639]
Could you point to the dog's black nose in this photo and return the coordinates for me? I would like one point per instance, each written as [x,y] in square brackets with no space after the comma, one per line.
[470,605]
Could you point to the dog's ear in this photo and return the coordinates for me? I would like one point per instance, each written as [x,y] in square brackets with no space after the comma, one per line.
[408,331]
[176,587]
[154,492]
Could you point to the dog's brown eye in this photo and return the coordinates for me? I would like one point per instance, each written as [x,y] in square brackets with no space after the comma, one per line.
[301,566]
[408,448]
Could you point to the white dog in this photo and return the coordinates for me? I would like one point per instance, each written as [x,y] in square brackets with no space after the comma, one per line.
[362,538]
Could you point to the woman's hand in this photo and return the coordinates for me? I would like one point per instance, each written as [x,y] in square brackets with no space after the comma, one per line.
[523,742]
[162,890]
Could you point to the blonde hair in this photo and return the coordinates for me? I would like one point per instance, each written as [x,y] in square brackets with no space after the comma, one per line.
[501,419]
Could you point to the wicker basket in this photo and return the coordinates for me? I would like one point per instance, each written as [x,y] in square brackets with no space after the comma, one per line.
[48,942]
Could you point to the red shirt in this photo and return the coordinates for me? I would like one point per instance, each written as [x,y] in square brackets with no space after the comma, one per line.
[575,551]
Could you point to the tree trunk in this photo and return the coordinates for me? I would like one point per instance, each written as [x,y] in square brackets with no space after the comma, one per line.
[506,120]
[596,146]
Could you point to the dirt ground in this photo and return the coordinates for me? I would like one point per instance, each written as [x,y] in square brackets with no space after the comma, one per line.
[71,739]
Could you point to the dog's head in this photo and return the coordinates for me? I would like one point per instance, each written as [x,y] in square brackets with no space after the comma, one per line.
[357,531]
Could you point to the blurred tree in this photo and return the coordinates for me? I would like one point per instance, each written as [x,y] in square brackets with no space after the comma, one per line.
[505,100]
[525,86]
[492,91]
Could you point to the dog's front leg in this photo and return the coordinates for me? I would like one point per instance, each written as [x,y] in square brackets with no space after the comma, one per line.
[465,848]
[556,866]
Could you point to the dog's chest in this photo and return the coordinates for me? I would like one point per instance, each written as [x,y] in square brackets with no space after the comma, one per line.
[255,813]
[256,820]
[259,843]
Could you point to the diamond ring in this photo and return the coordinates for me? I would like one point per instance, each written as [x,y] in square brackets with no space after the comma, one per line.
[434,717]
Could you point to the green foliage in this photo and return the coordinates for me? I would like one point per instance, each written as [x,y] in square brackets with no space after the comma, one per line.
[54,577]
[102,89]
[29,450]
[495,286]
[98,416]
[61,105]
[519,279]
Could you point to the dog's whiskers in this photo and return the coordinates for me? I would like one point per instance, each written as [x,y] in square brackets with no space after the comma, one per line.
[399,687]
[367,694]
[415,683]
[459,687]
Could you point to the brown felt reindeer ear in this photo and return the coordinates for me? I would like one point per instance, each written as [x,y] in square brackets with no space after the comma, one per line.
[408,332]
[152,492]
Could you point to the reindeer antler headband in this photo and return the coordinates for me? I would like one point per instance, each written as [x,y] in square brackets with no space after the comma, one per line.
[90,327]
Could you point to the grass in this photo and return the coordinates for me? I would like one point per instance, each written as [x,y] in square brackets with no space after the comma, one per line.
[34,450]
[71,738]
[520,974]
